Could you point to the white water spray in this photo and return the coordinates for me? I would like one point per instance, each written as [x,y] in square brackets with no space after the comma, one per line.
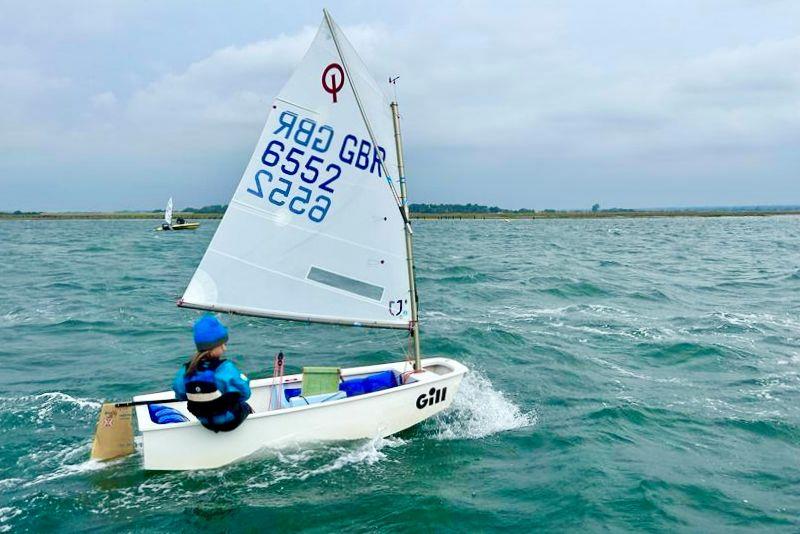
[480,410]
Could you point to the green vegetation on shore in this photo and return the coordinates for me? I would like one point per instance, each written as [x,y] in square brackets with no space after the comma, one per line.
[606,214]
[218,209]
[442,211]
[454,208]
[62,215]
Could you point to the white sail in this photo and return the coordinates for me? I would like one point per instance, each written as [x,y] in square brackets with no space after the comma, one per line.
[314,231]
[168,212]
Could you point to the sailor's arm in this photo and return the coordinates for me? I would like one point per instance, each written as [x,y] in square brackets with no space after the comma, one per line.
[233,380]
[178,385]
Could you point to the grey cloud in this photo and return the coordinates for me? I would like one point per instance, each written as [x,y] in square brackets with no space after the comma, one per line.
[538,96]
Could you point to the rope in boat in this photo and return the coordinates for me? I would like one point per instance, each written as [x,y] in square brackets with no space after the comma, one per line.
[409,361]
[277,373]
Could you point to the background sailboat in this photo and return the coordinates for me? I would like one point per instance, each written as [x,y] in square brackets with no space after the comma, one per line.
[180,225]
[318,231]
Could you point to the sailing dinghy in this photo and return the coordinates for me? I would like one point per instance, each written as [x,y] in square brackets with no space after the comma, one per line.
[180,225]
[317,231]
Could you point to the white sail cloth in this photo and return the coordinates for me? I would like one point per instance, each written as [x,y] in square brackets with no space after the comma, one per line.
[168,212]
[314,231]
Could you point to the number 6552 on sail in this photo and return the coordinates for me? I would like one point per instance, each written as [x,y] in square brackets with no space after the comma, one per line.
[280,195]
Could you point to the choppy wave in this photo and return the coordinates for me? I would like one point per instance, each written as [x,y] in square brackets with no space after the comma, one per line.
[765,428]
[654,295]
[577,289]
[303,464]
[457,275]
[42,409]
[72,469]
[682,352]
[7,513]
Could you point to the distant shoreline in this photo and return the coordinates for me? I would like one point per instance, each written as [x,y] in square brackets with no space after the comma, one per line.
[567,214]
[112,215]
[611,214]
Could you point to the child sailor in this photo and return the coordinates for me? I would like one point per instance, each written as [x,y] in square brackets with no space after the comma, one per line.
[215,389]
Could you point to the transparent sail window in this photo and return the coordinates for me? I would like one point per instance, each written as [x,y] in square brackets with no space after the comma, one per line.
[351,285]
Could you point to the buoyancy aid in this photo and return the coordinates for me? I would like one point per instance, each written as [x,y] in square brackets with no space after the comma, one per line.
[215,410]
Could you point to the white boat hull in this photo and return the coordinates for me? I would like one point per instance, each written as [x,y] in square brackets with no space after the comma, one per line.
[182,446]
[184,226]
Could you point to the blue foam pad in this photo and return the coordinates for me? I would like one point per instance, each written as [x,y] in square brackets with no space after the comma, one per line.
[369,384]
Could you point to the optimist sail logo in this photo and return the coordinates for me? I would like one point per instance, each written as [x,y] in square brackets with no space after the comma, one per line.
[333,79]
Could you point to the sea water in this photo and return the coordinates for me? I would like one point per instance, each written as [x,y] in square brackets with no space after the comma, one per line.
[628,374]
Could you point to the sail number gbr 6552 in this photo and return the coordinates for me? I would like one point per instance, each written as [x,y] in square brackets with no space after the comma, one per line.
[299,172]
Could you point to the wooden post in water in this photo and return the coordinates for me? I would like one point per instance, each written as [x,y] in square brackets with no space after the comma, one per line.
[401,177]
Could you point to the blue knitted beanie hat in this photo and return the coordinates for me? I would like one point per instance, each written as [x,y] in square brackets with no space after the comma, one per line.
[209,333]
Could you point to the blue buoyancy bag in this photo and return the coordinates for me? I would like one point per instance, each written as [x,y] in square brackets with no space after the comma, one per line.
[293,392]
[369,384]
[162,415]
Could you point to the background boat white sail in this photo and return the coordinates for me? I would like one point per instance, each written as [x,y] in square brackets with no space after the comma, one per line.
[168,212]
[314,231]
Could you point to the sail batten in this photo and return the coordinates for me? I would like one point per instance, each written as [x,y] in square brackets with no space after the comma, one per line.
[315,274]
[313,232]
[268,216]
[298,106]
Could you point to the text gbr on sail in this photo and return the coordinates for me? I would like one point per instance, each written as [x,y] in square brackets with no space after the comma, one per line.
[353,151]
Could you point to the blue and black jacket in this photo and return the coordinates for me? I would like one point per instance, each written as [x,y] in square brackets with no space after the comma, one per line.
[216,393]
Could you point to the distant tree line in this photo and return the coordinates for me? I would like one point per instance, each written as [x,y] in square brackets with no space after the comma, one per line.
[415,208]
[453,208]
[480,208]
[216,208]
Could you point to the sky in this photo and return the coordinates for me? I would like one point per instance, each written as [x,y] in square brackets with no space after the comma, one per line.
[113,105]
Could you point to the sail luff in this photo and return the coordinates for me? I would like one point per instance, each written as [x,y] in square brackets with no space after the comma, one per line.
[332,28]
[168,212]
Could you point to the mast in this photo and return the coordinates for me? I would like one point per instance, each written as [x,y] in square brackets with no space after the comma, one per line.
[398,141]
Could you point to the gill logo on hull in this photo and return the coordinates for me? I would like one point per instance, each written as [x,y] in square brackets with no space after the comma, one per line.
[432,397]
